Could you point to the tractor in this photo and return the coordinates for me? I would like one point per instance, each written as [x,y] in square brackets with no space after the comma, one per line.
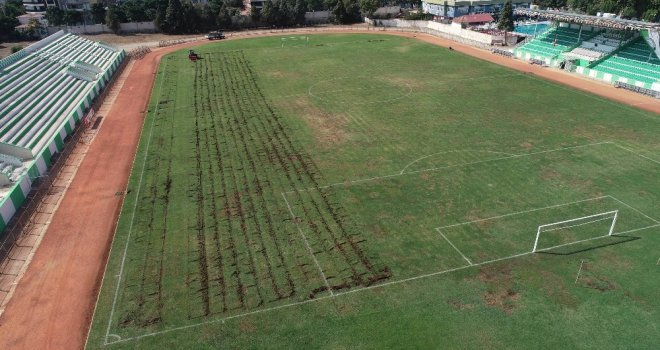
[192,55]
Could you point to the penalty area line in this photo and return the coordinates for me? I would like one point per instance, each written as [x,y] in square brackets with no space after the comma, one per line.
[633,208]
[452,244]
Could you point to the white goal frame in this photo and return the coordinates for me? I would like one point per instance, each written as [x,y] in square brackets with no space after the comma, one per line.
[614,214]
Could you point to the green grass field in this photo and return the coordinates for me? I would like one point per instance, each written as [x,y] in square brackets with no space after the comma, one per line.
[369,191]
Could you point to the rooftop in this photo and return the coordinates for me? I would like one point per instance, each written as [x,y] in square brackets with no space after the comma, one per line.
[476,18]
[41,85]
[475,2]
[613,23]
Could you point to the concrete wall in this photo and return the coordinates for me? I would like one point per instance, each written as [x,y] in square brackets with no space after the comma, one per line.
[317,16]
[449,29]
[133,27]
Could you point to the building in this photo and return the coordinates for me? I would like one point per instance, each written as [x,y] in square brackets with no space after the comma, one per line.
[617,51]
[38,5]
[46,90]
[457,8]
[474,20]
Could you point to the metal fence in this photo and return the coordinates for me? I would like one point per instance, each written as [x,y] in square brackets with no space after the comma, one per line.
[638,89]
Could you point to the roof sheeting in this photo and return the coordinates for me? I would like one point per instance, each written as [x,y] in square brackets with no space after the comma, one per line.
[476,18]
[613,23]
[39,89]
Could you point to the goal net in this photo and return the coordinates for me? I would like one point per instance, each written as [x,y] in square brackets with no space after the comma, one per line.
[572,231]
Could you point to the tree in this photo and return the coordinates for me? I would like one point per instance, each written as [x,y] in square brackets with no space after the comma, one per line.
[72,17]
[161,11]
[98,13]
[339,12]
[255,14]
[628,12]
[223,20]
[650,15]
[271,13]
[316,5]
[135,10]
[299,11]
[206,18]
[7,25]
[368,7]
[13,8]
[113,18]
[55,16]
[506,18]
[174,17]
[192,22]
[35,29]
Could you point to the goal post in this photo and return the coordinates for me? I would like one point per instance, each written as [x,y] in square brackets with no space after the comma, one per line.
[567,224]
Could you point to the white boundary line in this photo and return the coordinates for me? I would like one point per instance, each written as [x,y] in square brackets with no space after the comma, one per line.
[309,249]
[222,320]
[633,208]
[137,199]
[445,167]
[636,153]
[361,289]
[462,150]
[452,244]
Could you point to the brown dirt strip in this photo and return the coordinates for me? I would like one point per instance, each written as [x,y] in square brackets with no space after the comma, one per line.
[53,305]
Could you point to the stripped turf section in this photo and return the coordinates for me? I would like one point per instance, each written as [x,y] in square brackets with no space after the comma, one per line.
[326,194]
[220,196]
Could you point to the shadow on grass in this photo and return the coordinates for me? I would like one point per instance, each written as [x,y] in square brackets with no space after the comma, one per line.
[575,250]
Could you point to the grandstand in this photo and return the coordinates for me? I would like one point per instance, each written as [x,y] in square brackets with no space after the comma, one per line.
[552,43]
[45,91]
[613,50]
[636,62]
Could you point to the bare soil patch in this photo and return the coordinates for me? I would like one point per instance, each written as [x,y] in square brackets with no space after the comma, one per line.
[328,129]
[500,282]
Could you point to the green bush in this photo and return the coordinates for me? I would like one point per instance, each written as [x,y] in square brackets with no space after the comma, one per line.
[15,49]
[419,16]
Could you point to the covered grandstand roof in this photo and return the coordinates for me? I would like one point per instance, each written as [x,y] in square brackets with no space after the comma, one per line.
[45,91]
[475,2]
[596,21]
[42,85]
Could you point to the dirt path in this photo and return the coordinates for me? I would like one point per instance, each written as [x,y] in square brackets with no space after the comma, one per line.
[53,304]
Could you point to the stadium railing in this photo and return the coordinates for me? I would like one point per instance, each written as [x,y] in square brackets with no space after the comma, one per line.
[638,89]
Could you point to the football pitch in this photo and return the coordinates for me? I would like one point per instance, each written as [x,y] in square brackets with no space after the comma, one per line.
[372,191]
